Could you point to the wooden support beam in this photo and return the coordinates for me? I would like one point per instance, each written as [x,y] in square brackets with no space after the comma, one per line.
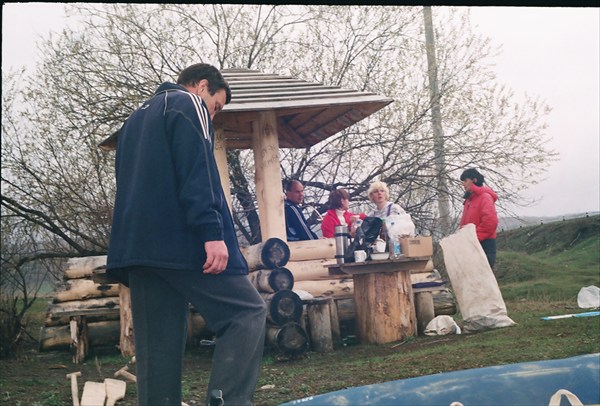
[269,193]
[319,320]
[221,159]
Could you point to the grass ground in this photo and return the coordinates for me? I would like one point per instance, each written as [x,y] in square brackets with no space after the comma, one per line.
[539,275]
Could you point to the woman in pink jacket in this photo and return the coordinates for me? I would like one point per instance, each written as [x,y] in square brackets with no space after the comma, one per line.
[338,214]
[480,209]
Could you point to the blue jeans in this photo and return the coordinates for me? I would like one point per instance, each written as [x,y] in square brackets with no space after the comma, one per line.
[231,307]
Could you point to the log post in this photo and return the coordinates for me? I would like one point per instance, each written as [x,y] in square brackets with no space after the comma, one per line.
[220,152]
[319,321]
[336,332]
[269,193]
[424,309]
[126,339]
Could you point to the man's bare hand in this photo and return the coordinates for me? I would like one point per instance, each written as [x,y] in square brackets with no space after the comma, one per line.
[216,257]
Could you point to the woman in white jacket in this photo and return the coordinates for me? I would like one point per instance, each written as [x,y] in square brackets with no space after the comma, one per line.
[379,194]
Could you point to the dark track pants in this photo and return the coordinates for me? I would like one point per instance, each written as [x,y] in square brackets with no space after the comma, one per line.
[489,247]
[231,307]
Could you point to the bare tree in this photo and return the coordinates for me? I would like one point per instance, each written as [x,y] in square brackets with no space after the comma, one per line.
[21,279]
[54,176]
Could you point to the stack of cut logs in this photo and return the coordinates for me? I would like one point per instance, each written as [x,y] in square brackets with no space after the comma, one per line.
[81,304]
[274,282]
[290,276]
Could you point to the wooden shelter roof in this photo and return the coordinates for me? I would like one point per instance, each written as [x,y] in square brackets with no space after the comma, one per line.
[306,112]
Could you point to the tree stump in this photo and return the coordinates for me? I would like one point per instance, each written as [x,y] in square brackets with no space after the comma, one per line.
[384,307]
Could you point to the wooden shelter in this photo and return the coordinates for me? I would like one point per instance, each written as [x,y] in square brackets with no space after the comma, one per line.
[268,112]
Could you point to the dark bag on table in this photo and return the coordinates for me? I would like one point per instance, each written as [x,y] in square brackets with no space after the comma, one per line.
[366,235]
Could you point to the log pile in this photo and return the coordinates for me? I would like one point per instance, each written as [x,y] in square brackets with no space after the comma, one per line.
[303,301]
[274,282]
[83,313]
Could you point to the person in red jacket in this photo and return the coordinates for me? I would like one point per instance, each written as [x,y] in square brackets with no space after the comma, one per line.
[479,209]
[338,214]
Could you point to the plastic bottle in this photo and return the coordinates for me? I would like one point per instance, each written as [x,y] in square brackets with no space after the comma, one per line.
[394,244]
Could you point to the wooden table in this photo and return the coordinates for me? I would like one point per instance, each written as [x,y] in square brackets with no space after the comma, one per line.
[383,296]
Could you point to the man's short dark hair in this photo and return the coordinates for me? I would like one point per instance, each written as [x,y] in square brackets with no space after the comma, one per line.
[473,173]
[197,72]
[287,184]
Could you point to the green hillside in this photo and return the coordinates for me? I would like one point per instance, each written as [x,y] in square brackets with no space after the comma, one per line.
[549,261]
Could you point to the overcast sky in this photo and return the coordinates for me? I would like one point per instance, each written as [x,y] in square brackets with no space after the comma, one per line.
[549,52]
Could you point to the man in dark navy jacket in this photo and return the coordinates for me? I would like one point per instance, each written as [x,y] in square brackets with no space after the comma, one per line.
[296,226]
[173,243]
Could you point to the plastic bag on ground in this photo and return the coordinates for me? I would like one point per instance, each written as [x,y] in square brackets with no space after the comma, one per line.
[589,297]
[442,325]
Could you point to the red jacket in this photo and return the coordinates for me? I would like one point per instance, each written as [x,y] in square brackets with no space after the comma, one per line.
[480,209]
[330,220]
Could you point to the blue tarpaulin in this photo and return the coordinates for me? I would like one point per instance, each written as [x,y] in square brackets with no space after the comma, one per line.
[527,383]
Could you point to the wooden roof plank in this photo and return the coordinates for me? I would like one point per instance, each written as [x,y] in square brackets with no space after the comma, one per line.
[299,103]
[307,112]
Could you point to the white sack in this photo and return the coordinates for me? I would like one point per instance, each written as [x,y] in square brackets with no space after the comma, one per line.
[473,281]
[442,325]
[589,297]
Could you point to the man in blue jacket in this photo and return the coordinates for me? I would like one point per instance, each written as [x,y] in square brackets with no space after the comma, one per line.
[173,243]
[296,226]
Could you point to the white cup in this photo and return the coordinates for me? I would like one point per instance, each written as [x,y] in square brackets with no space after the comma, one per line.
[360,256]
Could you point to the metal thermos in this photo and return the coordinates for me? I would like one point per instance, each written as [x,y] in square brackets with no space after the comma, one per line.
[341,243]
